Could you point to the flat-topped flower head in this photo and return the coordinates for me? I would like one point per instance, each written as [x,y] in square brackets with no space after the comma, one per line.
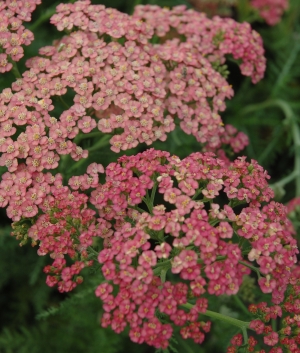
[136,91]
[187,233]
[270,10]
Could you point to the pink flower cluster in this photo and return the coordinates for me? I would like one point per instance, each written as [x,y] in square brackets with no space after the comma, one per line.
[168,229]
[140,87]
[65,227]
[136,91]
[137,88]
[287,337]
[155,214]
[187,232]
[12,33]
[24,186]
[270,10]
[232,138]
[293,205]
[183,229]
[213,38]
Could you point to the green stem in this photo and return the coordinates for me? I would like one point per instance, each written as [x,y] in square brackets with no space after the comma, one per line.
[214,221]
[147,201]
[163,275]
[15,69]
[64,161]
[285,180]
[45,17]
[101,143]
[230,320]
[153,193]
[64,103]
[296,138]
[274,325]
[269,103]
[137,209]
[197,193]
[82,136]
[239,302]
[245,334]
[242,325]
[252,18]
[175,138]
[286,68]
[162,266]
[253,268]
[75,166]
[93,252]
[277,133]
[219,258]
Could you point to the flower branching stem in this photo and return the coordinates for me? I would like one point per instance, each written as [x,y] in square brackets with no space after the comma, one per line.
[242,325]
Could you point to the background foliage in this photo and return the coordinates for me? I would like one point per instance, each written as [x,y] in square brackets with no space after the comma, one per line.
[36,318]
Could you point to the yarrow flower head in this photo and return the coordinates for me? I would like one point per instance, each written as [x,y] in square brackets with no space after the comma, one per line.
[136,91]
[188,233]
[13,34]
[270,10]
[155,215]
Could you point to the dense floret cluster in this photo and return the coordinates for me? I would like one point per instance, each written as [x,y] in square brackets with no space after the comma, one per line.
[157,213]
[270,10]
[135,91]
[12,33]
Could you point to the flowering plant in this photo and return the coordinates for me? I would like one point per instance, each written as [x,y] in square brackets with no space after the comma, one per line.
[165,235]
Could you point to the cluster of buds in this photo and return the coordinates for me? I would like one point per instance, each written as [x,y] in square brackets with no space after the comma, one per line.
[13,33]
